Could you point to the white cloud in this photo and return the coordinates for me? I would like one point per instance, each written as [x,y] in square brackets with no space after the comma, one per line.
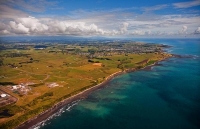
[74,28]
[124,27]
[183,30]
[187,4]
[18,28]
[197,31]
[33,24]
[4,32]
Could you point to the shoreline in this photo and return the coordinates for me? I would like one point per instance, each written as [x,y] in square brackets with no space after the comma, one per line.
[56,107]
[46,114]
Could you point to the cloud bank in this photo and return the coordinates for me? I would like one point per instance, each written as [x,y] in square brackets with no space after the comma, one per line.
[33,26]
[114,22]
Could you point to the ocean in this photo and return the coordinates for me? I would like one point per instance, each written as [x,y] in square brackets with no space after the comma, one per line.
[165,97]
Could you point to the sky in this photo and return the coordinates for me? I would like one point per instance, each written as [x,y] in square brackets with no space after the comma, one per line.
[105,18]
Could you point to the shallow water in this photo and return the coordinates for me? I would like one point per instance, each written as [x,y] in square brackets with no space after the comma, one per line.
[165,97]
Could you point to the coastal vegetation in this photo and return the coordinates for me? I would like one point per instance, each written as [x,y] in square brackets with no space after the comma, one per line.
[41,75]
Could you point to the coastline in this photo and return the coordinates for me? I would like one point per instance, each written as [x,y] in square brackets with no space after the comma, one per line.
[44,115]
[56,107]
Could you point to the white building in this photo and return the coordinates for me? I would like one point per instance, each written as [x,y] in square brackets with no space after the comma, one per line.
[3,95]
[14,87]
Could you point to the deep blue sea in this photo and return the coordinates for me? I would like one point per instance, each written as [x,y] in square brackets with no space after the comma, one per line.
[165,97]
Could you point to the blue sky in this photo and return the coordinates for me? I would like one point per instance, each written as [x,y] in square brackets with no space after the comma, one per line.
[107,18]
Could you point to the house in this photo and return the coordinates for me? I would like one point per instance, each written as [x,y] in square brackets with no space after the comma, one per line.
[3,95]
[14,87]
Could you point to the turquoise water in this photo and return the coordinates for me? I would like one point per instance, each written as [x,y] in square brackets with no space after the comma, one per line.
[165,97]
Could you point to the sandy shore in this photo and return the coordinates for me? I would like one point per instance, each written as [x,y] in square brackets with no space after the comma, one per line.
[46,114]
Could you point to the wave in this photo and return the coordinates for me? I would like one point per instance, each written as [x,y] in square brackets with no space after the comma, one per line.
[68,107]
